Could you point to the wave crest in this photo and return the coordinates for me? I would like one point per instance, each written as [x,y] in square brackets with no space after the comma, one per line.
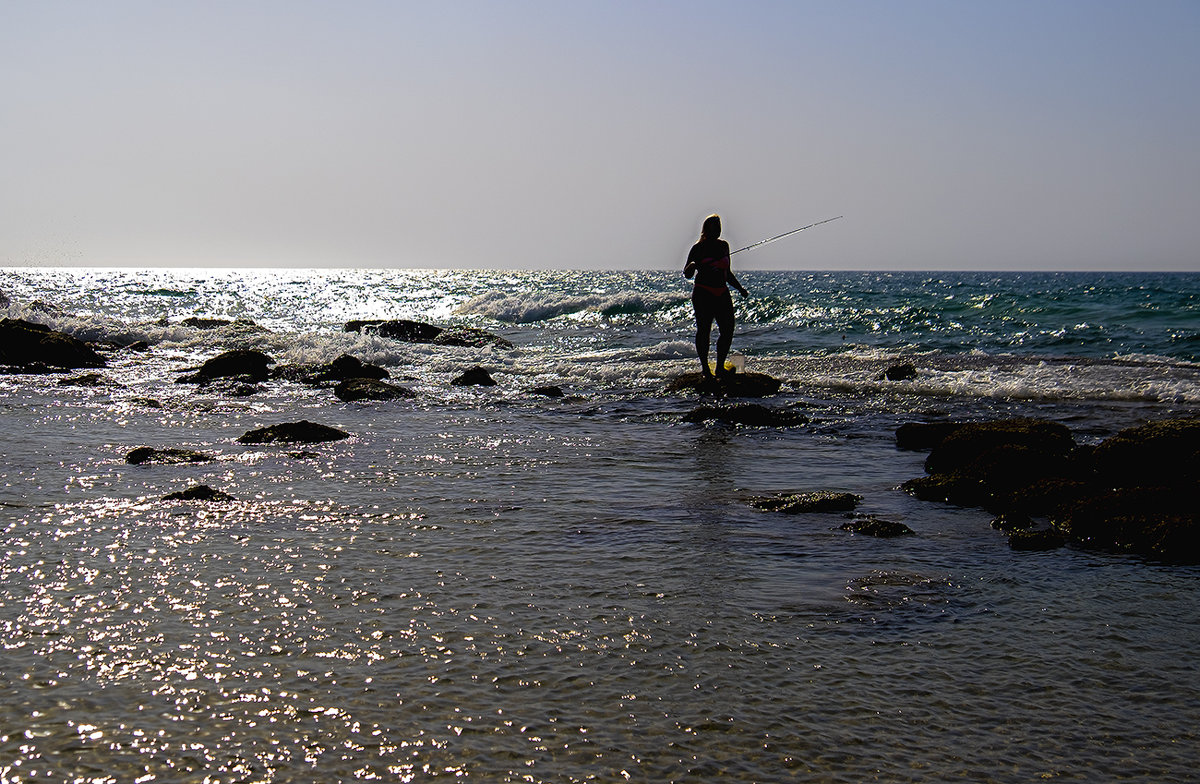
[528,308]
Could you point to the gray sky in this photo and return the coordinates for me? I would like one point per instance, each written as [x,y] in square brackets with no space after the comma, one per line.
[1055,134]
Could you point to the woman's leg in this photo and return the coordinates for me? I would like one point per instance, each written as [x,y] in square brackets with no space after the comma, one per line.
[725,323]
[704,320]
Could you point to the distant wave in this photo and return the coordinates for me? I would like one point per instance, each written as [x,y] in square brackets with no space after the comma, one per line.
[531,308]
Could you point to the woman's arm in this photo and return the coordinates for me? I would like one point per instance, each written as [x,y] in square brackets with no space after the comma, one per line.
[734,281]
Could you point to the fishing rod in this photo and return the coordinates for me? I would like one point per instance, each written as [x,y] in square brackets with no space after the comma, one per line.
[785,234]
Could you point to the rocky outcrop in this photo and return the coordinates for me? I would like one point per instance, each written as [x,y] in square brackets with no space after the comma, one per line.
[302,432]
[798,503]
[29,344]
[1136,492]
[410,331]
[731,385]
[354,390]
[145,455]
[749,414]
[548,391]
[475,377]
[198,493]
[242,364]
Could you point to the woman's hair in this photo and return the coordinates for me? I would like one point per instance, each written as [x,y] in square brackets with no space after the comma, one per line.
[711,229]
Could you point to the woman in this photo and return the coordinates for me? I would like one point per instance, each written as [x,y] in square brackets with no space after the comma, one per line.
[708,261]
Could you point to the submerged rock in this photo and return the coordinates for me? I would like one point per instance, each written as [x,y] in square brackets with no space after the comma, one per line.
[303,432]
[874,526]
[476,376]
[28,344]
[751,414]
[547,391]
[357,389]
[470,337]
[170,456]
[198,493]
[730,385]
[86,380]
[240,363]
[797,503]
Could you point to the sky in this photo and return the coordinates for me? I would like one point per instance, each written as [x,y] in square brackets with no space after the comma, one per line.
[568,134]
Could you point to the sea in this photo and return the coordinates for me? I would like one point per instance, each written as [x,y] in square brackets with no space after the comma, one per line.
[488,584]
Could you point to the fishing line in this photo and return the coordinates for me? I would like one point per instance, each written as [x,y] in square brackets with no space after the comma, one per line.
[785,234]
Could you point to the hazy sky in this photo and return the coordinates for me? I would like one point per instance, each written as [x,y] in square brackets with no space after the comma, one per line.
[1054,134]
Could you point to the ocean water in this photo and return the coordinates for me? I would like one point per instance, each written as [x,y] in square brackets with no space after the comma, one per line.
[486,584]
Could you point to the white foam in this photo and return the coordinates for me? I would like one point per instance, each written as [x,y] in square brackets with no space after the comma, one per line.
[527,308]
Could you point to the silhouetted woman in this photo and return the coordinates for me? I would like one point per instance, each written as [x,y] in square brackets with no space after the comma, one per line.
[708,261]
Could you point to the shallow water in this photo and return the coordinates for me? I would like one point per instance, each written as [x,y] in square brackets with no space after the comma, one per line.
[484,584]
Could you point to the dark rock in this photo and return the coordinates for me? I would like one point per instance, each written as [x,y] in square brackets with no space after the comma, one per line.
[408,331]
[547,391]
[923,436]
[1166,452]
[873,526]
[86,380]
[170,456]
[37,306]
[148,402]
[358,325]
[347,367]
[796,503]
[356,389]
[974,440]
[241,363]
[751,414]
[1036,540]
[25,343]
[476,376]
[137,345]
[4,300]
[304,432]
[902,372]
[198,493]
[205,323]
[1159,521]
[733,385]
[198,322]
[470,337]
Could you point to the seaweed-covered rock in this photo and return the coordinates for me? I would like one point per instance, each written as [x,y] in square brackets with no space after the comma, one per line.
[240,363]
[303,432]
[731,385]
[29,344]
[874,526]
[358,389]
[751,414]
[975,440]
[144,455]
[1011,522]
[1165,452]
[475,377]
[1159,521]
[198,493]
[797,503]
